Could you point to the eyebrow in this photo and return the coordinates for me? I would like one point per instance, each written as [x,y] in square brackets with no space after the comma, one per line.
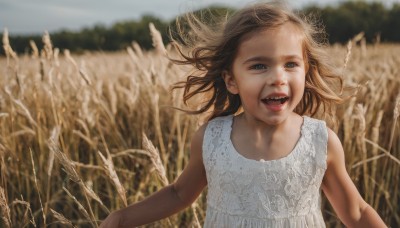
[268,59]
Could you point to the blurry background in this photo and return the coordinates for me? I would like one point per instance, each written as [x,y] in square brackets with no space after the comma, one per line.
[74,14]
[85,123]
[109,26]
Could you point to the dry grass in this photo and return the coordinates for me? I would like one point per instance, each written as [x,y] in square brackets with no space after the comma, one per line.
[96,133]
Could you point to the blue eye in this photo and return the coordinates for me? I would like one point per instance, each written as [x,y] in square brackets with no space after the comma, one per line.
[258,67]
[291,65]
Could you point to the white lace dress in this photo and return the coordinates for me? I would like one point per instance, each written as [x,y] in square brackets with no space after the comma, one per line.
[276,193]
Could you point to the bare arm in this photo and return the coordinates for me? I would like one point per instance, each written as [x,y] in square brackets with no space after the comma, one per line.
[170,199]
[341,192]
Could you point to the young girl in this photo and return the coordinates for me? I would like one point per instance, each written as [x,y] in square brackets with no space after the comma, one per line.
[263,160]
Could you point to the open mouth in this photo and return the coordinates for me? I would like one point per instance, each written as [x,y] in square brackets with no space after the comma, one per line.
[275,100]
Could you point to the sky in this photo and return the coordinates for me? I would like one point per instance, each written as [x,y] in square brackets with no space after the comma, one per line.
[23,17]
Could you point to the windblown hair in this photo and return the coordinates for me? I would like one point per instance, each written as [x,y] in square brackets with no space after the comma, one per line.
[213,49]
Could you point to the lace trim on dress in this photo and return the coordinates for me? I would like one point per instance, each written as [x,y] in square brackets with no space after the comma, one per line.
[227,136]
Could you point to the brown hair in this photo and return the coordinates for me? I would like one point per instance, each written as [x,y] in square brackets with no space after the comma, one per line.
[213,49]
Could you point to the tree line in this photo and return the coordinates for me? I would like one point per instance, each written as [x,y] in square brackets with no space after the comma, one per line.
[341,22]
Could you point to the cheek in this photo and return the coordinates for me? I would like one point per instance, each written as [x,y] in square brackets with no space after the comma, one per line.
[303,81]
[251,87]
[300,84]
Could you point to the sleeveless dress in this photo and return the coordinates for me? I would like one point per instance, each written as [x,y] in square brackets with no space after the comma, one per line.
[276,193]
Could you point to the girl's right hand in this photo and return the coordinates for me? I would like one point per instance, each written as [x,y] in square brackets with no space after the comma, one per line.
[112,221]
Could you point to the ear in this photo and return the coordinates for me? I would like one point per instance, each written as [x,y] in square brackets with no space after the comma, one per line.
[230,82]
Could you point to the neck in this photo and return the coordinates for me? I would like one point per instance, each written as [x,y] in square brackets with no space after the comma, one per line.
[260,127]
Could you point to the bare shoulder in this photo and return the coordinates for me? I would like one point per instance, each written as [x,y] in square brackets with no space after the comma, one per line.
[335,148]
[197,140]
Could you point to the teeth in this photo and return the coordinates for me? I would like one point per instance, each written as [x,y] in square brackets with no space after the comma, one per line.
[275,98]
[281,99]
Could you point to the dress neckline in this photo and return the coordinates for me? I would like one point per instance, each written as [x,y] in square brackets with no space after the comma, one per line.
[228,132]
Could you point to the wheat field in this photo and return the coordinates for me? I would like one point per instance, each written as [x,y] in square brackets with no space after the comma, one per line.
[83,135]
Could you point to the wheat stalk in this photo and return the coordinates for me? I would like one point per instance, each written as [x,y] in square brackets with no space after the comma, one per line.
[155,100]
[112,174]
[48,46]
[56,54]
[131,153]
[354,40]
[85,76]
[375,139]
[55,132]
[23,132]
[360,112]
[37,188]
[347,58]
[4,115]
[28,209]
[61,219]
[7,47]
[138,50]
[71,172]
[157,40]
[67,55]
[113,98]
[80,206]
[358,37]
[85,110]
[195,222]
[35,50]
[23,108]
[89,191]
[383,150]
[155,159]
[5,210]
[132,55]
[62,158]
[396,113]
[84,137]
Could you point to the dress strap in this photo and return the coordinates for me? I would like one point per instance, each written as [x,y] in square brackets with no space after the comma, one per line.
[213,134]
[320,139]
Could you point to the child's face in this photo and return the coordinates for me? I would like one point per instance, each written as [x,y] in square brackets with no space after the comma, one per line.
[268,73]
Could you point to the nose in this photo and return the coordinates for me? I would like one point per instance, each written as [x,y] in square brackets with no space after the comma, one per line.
[278,77]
